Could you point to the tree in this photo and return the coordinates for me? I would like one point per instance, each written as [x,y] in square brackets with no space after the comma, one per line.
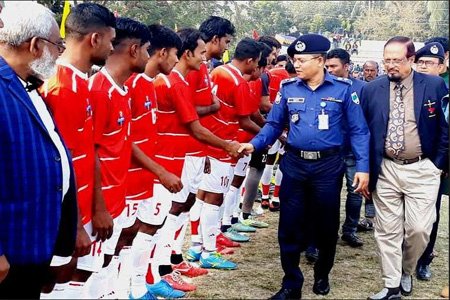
[407,18]
[438,20]
[270,17]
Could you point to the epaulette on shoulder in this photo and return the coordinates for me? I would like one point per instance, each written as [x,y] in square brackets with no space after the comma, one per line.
[342,79]
[289,80]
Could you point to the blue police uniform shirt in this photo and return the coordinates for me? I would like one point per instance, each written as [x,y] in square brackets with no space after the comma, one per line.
[300,106]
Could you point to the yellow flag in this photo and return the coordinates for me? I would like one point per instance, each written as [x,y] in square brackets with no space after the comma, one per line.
[66,12]
[226,56]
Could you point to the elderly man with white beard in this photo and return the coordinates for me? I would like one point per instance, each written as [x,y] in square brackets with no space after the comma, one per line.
[38,212]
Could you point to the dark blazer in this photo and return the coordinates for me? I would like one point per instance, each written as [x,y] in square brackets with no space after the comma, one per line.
[433,130]
[34,221]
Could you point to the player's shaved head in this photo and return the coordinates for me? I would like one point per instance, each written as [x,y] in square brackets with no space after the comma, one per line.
[127,28]
[189,38]
[216,26]
[247,48]
[86,18]
[162,37]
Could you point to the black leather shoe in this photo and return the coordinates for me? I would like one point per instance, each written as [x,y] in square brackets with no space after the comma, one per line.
[365,225]
[312,254]
[352,240]
[321,287]
[285,294]
[423,272]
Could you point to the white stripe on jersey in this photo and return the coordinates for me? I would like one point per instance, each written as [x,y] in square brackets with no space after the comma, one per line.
[236,81]
[141,141]
[166,80]
[141,116]
[130,197]
[79,157]
[172,134]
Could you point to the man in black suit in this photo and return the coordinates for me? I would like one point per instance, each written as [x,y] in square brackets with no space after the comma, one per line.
[408,152]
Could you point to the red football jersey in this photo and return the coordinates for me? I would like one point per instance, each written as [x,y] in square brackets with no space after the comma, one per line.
[175,111]
[143,133]
[255,99]
[112,116]
[67,97]
[200,83]
[234,94]
[276,76]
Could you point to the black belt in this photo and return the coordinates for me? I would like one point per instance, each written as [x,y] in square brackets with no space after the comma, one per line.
[313,155]
[405,161]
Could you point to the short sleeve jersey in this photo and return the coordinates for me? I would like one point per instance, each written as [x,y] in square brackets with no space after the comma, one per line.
[234,94]
[143,133]
[200,83]
[67,97]
[112,116]
[175,111]
[277,75]
[255,99]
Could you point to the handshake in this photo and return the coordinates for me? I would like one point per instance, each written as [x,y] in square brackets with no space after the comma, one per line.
[236,149]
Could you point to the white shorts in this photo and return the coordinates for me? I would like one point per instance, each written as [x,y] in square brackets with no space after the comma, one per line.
[219,179]
[191,176]
[275,147]
[131,207]
[241,166]
[92,262]
[153,211]
[58,261]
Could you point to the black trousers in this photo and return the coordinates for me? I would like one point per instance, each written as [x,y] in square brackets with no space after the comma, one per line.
[24,281]
[309,199]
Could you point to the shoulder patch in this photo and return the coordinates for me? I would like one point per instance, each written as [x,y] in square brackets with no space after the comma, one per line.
[278,98]
[346,80]
[287,81]
[355,98]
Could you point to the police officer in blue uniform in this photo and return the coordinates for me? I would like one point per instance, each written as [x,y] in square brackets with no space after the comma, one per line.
[315,105]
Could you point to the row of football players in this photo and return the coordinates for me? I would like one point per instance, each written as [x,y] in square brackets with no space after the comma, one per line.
[154,139]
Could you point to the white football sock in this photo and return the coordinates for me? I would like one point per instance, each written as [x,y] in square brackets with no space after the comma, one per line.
[209,219]
[140,257]
[194,215]
[229,205]
[182,223]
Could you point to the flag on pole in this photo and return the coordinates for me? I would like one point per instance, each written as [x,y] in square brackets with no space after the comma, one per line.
[226,56]
[66,11]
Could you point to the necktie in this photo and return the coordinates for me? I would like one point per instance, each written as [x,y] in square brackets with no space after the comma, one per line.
[396,132]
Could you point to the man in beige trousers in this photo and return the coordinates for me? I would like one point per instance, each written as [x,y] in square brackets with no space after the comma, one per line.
[408,152]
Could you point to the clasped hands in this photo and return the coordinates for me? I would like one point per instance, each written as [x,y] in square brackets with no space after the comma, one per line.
[236,149]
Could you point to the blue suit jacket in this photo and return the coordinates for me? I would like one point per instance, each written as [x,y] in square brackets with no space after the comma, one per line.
[34,222]
[433,130]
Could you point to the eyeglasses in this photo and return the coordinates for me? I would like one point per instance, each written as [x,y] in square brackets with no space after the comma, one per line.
[59,45]
[426,63]
[395,61]
[302,61]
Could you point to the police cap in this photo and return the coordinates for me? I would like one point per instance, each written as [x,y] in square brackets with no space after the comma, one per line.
[309,44]
[431,50]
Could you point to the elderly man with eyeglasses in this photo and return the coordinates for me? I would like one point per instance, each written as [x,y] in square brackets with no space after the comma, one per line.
[38,209]
[408,153]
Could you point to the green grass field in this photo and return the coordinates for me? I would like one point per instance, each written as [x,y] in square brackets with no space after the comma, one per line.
[356,273]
